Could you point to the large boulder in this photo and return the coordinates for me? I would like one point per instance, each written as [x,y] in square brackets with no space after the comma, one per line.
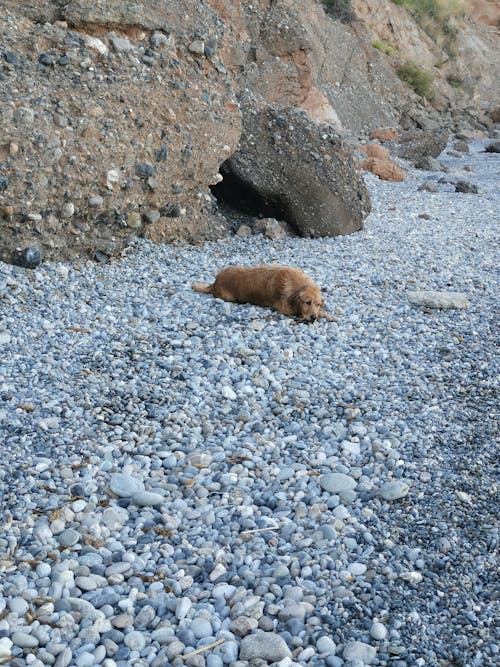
[111,128]
[414,145]
[288,167]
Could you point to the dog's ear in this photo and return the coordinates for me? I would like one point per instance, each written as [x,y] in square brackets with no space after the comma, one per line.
[294,300]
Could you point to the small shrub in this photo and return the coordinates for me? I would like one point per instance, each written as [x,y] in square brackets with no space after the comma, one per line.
[386,48]
[340,9]
[417,78]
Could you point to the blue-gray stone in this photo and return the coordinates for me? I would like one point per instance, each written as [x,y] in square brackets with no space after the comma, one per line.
[24,640]
[147,498]
[228,651]
[337,482]
[201,627]
[144,169]
[355,650]
[124,485]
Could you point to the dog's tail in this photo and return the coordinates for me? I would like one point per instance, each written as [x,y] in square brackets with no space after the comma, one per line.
[202,287]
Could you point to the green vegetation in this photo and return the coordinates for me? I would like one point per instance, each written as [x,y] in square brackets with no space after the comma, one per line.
[340,9]
[386,48]
[417,78]
[438,18]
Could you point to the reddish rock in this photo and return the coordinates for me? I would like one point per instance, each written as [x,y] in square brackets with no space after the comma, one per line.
[384,169]
[374,150]
[384,134]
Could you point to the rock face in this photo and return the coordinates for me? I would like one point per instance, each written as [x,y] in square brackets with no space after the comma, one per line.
[289,52]
[466,77]
[486,11]
[115,117]
[110,129]
[292,169]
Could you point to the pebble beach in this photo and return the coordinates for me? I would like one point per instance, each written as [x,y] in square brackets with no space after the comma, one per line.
[185,481]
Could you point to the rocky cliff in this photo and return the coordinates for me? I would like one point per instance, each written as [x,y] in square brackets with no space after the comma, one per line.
[117,118]
[461,57]
[114,123]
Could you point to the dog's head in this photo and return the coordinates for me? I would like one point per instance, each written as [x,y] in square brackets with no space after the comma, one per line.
[308,303]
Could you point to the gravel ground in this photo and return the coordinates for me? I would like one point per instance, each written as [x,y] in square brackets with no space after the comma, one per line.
[179,473]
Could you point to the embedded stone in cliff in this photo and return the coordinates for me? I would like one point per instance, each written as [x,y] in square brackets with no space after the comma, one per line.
[29,258]
[289,168]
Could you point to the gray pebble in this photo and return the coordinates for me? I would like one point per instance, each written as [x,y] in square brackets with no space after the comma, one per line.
[394,490]
[24,640]
[201,627]
[265,645]
[135,640]
[378,631]
[337,482]
[124,485]
[147,498]
[18,605]
[326,645]
[355,650]
[69,537]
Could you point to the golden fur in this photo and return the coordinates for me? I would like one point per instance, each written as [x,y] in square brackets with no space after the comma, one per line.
[289,291]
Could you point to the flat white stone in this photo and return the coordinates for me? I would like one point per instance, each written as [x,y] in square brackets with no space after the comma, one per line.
[435,299]
[115,517]
[360,651]
[337,482]
[394,490]
[124,485]
[147,498]
[198,47]
[182,607]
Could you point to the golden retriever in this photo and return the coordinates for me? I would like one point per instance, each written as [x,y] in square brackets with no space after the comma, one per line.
[288,290]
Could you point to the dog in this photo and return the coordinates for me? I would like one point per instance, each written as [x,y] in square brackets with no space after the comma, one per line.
[288,290]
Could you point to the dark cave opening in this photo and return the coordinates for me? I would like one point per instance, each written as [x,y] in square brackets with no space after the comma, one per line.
[235,193]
